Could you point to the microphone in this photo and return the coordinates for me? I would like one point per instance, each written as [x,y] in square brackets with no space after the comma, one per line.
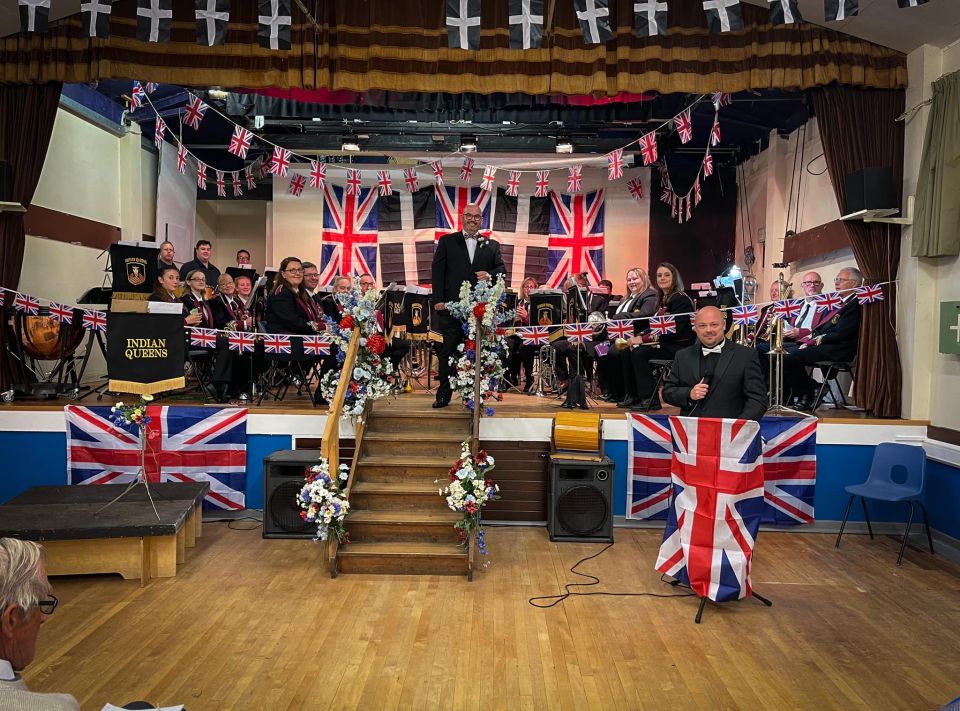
[706,377]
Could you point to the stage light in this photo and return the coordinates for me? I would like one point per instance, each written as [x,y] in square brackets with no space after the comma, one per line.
[565,147]
[468,147]
[350,146]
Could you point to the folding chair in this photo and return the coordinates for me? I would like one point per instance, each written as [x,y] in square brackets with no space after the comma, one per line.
[830,385]
[660,369]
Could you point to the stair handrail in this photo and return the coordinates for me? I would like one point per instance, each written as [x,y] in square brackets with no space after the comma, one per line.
[358,432]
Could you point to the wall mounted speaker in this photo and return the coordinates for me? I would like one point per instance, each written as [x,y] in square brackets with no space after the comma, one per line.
[283,477]
[580,500]
[870,189]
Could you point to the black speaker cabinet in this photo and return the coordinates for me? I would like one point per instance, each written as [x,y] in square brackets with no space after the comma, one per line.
[283,477]
[870,189]
[580,500]
[6,181]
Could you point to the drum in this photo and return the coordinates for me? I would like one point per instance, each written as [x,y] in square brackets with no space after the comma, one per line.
[43,338]
[577,431]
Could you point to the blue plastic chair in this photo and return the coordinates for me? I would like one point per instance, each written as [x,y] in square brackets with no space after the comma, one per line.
[881,485]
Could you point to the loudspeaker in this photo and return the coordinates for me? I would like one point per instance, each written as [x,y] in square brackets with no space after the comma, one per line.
[283,478]
[6,181]
[580,500]
[870,189]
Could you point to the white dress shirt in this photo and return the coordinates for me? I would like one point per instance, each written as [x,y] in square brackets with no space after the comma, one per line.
[471,244]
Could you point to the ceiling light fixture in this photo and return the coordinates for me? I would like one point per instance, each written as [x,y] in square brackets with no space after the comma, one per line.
[350,146]
[564,147]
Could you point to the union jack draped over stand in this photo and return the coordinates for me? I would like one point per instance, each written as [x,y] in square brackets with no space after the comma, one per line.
[790,468]
[184,444]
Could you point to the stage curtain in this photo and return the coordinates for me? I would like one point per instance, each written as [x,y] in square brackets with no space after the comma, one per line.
[27,114]
[936,229]
[859,131]
[402,47]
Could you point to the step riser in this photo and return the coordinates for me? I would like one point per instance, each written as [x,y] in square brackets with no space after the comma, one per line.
[418,425]
[401,532]
[395,473]
[412,448]
[398,502]
[410,565]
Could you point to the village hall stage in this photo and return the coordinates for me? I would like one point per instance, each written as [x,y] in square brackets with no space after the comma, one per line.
[33,452]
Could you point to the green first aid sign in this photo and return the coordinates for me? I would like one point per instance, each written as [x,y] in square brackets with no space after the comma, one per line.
[950,326]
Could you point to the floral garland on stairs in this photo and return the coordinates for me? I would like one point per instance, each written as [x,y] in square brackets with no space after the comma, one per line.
[469,490]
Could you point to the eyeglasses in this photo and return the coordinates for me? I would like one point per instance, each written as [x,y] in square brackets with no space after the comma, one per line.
[48,605]
[840,280]
[811,283]
[472,217]
[199,279]
[293,271]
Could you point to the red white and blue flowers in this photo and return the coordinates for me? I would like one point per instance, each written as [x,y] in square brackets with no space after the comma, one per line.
[469,490]
[323,502]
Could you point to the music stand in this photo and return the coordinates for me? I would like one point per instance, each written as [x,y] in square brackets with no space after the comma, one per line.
[576,390]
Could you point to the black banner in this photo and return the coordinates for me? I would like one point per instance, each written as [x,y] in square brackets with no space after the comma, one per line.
[134,271]
[144,352]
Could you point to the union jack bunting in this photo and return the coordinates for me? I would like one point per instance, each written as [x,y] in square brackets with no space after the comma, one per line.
[869,294]
[576,237]
[26,304]
[666,197]
[384,183]
[697,194]
[488,181]
[663,324]
[437,167]
[237,187]
[94,321]
[788,309]
[240,141]
[648,148]
[316,345]
[689,207]
[349,242]
[574,178]
[578,332]
[277,344]
[151,86]
[615,164]
[241,342]
[201,176]
[745,315]
[715,132]
[203,338]
[184,444]
[318,174]
[717,476]
[534,335]
[61,313]
[280,162]
[619,329]
[194,112]
[684,126]
[720,98]
[828,302]
[513,184]
[542,183]
[636,189]
[137,96]
[353,181]
[297,184]
[182,159]
[221,183]
[159,127]
[648,466]
[466,170]
[411,180]
[263,169]
[248,177]
[673,206]
[789,469]
[707,165]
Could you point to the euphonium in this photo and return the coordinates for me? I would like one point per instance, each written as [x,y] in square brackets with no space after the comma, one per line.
[621,344]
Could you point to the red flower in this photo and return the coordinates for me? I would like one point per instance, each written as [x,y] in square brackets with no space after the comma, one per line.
[479,310]
[376,344]
[347,322]
[471,507]
[470,345]
[303,515]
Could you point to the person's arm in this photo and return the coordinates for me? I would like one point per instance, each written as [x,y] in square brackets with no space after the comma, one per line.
[846,330]
[439,272]
[754,390]
[679,303]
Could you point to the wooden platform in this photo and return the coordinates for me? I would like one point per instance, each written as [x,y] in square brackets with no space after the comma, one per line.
[126,538]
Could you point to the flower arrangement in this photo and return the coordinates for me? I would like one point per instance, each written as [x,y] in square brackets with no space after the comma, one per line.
[469,490]
[372,376]
[323,502]
[481,309]
[125,415]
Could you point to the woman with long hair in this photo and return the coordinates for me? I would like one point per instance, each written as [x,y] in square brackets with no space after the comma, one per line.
[165,289]
[289,307]
[639,301]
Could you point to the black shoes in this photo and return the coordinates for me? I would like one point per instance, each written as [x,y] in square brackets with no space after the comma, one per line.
[628,401]
[440,403]
[642,406]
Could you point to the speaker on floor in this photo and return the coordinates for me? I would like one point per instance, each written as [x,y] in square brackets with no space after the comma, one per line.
[283,477]
[580,500]
[6,181]
[870,189]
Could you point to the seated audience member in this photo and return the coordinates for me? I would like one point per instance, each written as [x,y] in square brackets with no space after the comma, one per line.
[165,290]
[835,338]
[201,261]
[311,280]
[639,383]
[640,300]
[26,604]
[289,308]
[331,307]
[167,253]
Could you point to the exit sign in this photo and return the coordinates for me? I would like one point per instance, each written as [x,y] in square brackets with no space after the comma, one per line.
[950,327]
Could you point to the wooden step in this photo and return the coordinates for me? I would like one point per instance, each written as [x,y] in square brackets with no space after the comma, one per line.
[402,526]
[425,444]
[421,422]
[389,468]
[405,495]
[396,558]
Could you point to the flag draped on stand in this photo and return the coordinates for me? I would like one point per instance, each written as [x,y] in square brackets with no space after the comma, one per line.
[184,444]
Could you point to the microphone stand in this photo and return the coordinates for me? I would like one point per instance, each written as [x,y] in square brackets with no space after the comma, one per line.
[576,390]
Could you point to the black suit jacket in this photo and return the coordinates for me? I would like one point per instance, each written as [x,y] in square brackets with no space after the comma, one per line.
[840,336]
[287,313]
[221,314]
[452,265]
[737,388]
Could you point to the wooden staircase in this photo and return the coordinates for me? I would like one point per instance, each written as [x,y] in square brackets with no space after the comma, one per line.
[398,523]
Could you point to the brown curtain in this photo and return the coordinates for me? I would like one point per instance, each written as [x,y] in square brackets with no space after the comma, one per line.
[859,131]
[27,114]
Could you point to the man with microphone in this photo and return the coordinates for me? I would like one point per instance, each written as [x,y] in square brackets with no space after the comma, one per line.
[716,377]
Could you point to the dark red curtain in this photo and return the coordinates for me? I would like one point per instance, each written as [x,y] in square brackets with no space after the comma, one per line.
[859,131]
[27,113]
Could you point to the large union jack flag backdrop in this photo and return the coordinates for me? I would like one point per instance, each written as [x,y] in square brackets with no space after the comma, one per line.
[450,203]
[789,458]
[349,233]
[576,237]
[184,444]
[717,474]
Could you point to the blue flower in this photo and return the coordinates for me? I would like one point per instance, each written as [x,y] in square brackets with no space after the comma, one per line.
[489,412]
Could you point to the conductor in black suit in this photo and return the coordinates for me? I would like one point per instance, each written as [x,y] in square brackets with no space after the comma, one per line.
[459,257]
[716,377]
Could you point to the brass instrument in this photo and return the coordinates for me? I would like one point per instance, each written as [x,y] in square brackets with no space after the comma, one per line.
[764,327]
[598,321]
[546,369]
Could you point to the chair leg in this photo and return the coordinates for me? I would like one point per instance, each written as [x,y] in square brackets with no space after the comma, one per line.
[824,386]
[906,534]
[866,516]
[926,525]
[843,523]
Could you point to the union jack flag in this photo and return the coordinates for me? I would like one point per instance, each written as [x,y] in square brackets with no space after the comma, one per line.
[828,302]
[221,184]
[349,233]
[151,86]
[697,196]
[869,294]
[353,181]
[194,112]
[137,96]
[543,183]
[717,476]
[61,313]
[663,324]
[182,159]
[689,207]
[240,142]
[648,148]
[280,162]
[158,129]
[184,444]
[715,132]
[318,174]
[276,344]
[615,164]
[297,184]
[94,321]
[201,176]
[746,315]
[27,304]
[648,477]
[576,237]
[437,172]
[466,170]
[513,184]
[263,168]
[574,178]
[707,165]
[488,181]
[619,329]
[789,469]
[578,332]
[451,201]
[316,345]
[636,189]
[241,342]
[384,183]
[410,178]
[248,177]
[788,309]
[237,187]
[684,126]
[534,335]
[666,197]
[203,337]
[720,98]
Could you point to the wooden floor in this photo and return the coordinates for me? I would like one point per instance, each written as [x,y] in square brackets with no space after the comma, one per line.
[255,624]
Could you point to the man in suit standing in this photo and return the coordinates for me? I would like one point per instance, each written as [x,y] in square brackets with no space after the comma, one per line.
[716,377]
[460,256]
